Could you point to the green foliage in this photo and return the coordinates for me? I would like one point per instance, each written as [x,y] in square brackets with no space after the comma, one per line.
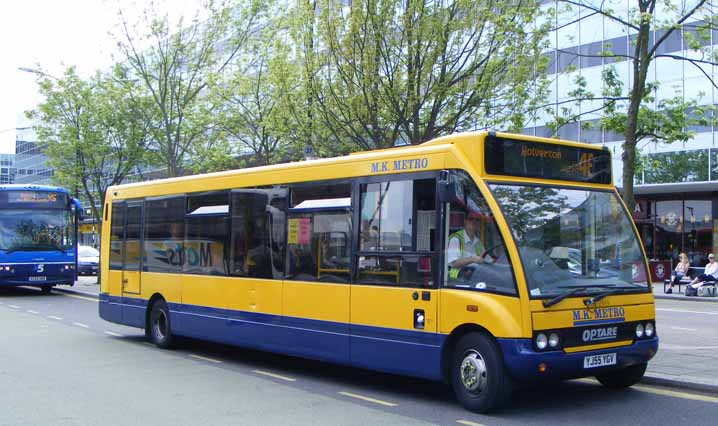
[94,136]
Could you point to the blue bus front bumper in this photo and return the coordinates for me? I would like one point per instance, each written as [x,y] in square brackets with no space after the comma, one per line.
[522,361]
[28,274]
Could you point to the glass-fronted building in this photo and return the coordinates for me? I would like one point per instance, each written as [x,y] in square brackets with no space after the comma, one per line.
[677,186]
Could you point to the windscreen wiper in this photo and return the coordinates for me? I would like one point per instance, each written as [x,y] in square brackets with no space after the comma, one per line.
[614,290]
[560,297]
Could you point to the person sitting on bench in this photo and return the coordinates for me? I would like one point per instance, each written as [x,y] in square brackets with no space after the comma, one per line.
[709,274]
[680,271]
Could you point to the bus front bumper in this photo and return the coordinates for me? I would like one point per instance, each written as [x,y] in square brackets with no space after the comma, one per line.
[523,362]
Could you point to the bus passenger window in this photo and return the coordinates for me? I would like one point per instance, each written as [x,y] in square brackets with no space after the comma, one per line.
[207,229]
[319,233]
[398,233]
[164,235]
[117,235]
[476,256]
[257,232]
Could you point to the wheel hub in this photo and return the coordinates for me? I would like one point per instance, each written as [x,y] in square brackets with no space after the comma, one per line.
[473,372]
[160,325]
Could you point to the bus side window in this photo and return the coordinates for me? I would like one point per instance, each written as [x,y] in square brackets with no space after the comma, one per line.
[117,235]
[164,234]
[397,235]
[207,228]
[257,227]
[319,233]
[476,255]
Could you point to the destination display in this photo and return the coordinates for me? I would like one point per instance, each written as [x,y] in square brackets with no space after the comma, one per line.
[33,199]
[546,161]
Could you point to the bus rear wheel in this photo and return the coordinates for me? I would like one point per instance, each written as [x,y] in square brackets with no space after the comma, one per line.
[624,377]
[160,330]
[477,374]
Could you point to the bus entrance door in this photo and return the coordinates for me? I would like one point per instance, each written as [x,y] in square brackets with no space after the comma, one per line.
[133,250]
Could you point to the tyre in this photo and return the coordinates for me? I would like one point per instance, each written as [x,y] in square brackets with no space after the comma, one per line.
[45,289]
[159,329]
[477,373]
[624,377]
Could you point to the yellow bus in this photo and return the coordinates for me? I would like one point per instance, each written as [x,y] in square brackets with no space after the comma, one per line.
[485,260]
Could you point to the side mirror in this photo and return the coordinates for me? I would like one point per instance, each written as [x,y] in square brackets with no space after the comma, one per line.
[450,190]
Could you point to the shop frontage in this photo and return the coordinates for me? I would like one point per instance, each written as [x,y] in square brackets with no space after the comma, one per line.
[677,218]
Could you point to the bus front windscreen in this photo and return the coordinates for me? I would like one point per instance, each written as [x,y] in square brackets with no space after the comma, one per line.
[36,230]
[572,240]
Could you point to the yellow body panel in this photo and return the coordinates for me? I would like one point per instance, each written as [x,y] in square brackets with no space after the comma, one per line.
[392,307]
[500,315]
[112,282]
[131,282]
[320,301]
[165,284]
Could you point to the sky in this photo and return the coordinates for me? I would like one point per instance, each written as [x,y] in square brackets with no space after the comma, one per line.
[52,35]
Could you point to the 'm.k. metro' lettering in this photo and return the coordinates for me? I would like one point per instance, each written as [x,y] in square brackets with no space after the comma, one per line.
[399,165]
[599,315]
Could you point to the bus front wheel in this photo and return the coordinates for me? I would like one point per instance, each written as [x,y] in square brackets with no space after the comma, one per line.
[160,331]
[624,377]
[477,374]
[45,289]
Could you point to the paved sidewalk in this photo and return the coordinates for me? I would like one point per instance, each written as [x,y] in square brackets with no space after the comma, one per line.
[686,359]
[659,294]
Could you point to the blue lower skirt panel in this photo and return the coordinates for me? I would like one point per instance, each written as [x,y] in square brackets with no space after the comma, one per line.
[522,360]
[404,352]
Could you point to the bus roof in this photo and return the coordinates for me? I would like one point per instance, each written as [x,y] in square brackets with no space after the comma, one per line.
[466,140]
[20,187]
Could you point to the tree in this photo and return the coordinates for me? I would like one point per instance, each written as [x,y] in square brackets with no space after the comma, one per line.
[415,70]
[253,95]
[94,136]
[636,113]
[177,65]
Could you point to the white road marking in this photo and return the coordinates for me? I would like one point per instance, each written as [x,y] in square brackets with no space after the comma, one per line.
[682,329]
[54,317]
[79,297]
[686,311]
[79,324]
[32,312]
[368,399]
[468,423]
[112,333]
[276,376]
[672,347]
[14,306]
[204,358]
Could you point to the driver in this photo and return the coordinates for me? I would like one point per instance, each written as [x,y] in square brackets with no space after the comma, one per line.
[465,246]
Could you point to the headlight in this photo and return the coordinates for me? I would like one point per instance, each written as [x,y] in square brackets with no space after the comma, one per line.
[639,330]
[649,329]
[553,340]
[541,341]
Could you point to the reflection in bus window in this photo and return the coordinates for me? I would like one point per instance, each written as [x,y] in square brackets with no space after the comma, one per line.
[205,243]
[164,235]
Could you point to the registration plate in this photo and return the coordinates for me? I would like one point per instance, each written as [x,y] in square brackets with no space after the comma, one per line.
[38,278]
[594,361]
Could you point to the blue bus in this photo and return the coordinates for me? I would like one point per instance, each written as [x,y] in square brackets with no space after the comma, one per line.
[38,236]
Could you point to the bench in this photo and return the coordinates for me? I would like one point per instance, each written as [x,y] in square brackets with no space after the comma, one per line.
[693,271]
